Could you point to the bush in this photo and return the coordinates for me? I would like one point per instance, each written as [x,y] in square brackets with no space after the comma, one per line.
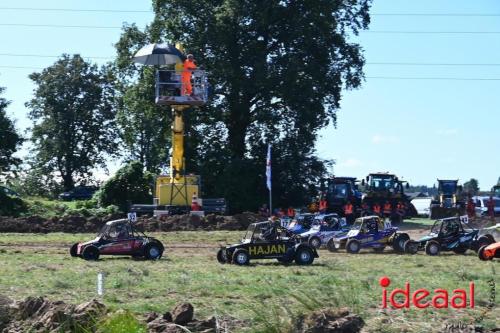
[11,206]
[129,185]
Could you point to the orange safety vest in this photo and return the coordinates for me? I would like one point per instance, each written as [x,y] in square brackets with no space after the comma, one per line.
[376,209]
[189,65]
[291,212]
[387,208]
[322,204]
[195,207]
[348,209]
[400,206]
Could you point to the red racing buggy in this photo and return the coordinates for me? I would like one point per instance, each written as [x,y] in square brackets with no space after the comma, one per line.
[119,237]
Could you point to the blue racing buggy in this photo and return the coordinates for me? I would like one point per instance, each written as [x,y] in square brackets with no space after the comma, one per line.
[370,232]
[301,223]
[449,234]
[325,227]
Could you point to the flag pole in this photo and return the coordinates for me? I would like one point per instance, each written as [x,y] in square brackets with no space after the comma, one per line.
[268,179]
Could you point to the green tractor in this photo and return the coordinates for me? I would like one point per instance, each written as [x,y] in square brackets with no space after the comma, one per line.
[449,201]
[384,187]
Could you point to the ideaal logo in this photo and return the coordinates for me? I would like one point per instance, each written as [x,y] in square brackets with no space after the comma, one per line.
[266,249]
[422,298]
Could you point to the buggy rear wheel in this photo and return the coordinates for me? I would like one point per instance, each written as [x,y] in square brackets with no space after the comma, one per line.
[480,253]
[73,250]
[221,256]
[153,251]
[304,256]
[241,257]
[353,246]
[398,242]
[411,247]
[315,242]
[90,253]
[432,248]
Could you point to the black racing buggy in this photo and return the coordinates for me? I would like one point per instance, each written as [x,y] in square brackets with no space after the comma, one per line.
[268,240]
[119,237]
[449,234]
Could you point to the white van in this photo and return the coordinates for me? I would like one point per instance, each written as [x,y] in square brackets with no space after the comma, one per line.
[423,206]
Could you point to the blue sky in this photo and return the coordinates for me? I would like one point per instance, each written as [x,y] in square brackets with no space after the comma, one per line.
[419,129]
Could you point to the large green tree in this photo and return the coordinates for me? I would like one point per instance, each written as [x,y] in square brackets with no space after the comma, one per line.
[471,187]
[73,118]
[277,69]
[10,140]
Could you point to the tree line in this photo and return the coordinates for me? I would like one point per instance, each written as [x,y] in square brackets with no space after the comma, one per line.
[277,68]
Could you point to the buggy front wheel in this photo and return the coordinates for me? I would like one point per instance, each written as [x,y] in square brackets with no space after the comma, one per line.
[73,250]
[241,257]
[221,256]
[353,246]
[432,248]
[480,253]
[398,243]
[304,256]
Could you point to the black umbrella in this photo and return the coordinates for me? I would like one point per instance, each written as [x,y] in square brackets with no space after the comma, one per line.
[159,54]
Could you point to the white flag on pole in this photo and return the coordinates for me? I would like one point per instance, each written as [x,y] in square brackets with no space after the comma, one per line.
[268,168]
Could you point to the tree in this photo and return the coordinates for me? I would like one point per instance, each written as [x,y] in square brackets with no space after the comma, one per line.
[73,119]
[129,185]
[471,187]
[10,140]
[145,127]
[277,69]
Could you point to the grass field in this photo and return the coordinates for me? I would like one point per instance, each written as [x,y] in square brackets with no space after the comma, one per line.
[265,294]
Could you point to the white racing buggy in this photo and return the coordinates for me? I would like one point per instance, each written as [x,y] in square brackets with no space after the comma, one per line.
[325,227]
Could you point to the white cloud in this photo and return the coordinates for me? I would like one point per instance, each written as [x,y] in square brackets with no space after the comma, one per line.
[380,139]
[447,131]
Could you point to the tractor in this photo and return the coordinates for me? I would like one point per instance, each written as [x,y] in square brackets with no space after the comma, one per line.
[339,191]
[449,201]
[382,188]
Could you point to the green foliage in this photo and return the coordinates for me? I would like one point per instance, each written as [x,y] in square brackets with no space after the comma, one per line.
[129,185]
[277,73]
[11,206]
[73,119]
[145,127]
[471,187]
[121,322]
[9,139]
[35,182]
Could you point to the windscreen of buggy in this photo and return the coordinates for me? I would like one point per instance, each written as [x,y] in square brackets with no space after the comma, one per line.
[436,227]
[357,224]
[249,233]
[104,230]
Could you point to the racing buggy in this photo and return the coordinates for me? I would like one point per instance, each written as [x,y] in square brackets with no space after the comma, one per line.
[267,240]
[369,232]
[449,234]
[325,227]
[301,223]
[488,252]
[119,237]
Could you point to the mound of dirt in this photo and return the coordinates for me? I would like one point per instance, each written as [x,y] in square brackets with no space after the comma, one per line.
[330,321]
[80,224]
[37,314]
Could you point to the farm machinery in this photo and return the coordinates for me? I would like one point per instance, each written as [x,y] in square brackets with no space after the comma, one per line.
[382,188]
[338,191]
[449,200]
